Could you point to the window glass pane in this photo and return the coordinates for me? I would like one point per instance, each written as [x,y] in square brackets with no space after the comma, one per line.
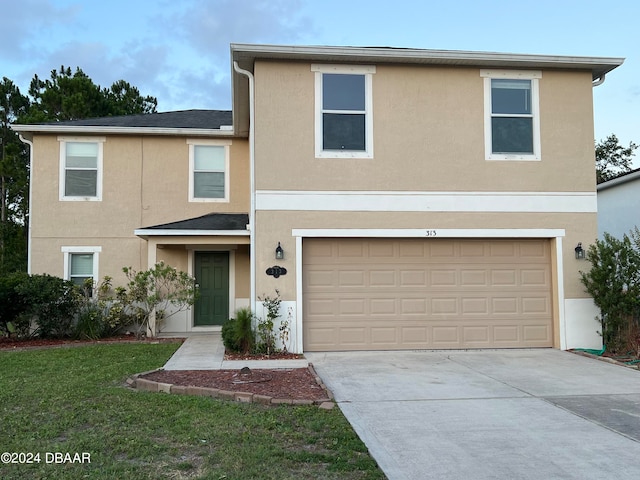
[512,135]
[511,96]
[343,92]
[208,157]
[208,185]
[80,281]
[81,264]
[80,183]
[82,149]
[343,132]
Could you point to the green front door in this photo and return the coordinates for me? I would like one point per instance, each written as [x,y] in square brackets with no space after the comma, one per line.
[212,276]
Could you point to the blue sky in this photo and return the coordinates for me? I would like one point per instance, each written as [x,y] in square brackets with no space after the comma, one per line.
[178,51]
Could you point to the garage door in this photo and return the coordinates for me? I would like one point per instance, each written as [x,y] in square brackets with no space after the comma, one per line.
[388,294]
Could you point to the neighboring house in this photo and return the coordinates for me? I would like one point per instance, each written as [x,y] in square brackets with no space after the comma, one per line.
[619,204]
[422,199]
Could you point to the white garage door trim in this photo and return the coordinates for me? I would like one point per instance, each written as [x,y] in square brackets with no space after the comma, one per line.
[556,234]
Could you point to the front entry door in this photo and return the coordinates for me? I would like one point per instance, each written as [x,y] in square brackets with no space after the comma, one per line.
[212,276]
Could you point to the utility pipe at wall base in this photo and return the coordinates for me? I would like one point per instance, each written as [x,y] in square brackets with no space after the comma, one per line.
[252,189]
[30,143]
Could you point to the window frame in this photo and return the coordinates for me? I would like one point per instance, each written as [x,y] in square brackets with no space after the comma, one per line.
[208,143]
[534,76]
[63,169]
[367,71]
[68,251]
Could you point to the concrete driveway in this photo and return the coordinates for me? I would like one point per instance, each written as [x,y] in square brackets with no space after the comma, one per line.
[509,414]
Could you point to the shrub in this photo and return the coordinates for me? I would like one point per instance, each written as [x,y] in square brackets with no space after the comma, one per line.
[13,320]
[52,302]
[266,334]
[614,284]
[103,311]
[228,334]
[237,333]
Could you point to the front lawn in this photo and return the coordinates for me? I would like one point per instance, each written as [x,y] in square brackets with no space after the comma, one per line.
[73,400]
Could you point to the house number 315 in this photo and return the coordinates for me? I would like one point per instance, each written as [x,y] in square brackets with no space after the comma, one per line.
[431,233]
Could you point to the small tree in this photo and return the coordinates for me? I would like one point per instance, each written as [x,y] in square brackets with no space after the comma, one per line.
[614,284]
[152,292]
[266,333]
[612,159]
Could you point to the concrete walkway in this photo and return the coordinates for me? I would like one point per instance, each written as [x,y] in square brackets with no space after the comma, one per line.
[206,352]
[511,414]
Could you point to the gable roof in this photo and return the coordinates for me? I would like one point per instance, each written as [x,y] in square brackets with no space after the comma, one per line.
[189,122]
[209,224]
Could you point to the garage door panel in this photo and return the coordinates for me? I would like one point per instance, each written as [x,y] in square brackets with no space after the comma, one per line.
[382,278]
[351,278]
[475,306]
[443,278]
[415,293]
[534,277]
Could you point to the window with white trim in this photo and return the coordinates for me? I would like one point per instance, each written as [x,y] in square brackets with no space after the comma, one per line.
[81,168]
[512,119]
[81,264]
[343,111]
[209,170]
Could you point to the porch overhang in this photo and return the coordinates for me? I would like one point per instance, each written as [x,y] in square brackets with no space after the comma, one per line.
[214,227]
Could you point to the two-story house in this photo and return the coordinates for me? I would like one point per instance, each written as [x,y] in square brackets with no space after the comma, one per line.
[420,199]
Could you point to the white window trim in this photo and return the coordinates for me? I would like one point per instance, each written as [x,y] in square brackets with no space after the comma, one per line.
[68,251]
[367,71]
[534,76]
[63,163]
[219,143]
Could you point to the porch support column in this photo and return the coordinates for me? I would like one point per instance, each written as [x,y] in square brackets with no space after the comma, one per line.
[151,261]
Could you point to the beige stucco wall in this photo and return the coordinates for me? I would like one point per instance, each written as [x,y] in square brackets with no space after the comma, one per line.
[428,125]
[145,183]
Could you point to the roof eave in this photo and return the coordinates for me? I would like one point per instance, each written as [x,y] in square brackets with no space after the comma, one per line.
[245,54]
[85,129]
[168,232]
[631,176]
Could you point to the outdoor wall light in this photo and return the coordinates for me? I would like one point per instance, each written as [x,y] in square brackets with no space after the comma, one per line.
[579,251]
[279,252]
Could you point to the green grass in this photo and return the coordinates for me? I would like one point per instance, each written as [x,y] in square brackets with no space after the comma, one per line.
[73,400]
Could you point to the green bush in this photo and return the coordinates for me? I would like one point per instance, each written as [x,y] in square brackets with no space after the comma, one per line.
[237,333]
[228,334]
[90,323]
[103,311]
[13,321]
[614,284]
[52,302]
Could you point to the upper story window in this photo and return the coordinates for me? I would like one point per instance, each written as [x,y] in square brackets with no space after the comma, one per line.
[209,170]
[81,168]
[512,118]
[344,111]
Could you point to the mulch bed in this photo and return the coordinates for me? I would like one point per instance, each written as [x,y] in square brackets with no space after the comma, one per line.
[294,384]
[7,343]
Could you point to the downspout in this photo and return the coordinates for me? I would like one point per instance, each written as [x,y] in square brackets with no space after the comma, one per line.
[599,81]
[30,143]
[252,188]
